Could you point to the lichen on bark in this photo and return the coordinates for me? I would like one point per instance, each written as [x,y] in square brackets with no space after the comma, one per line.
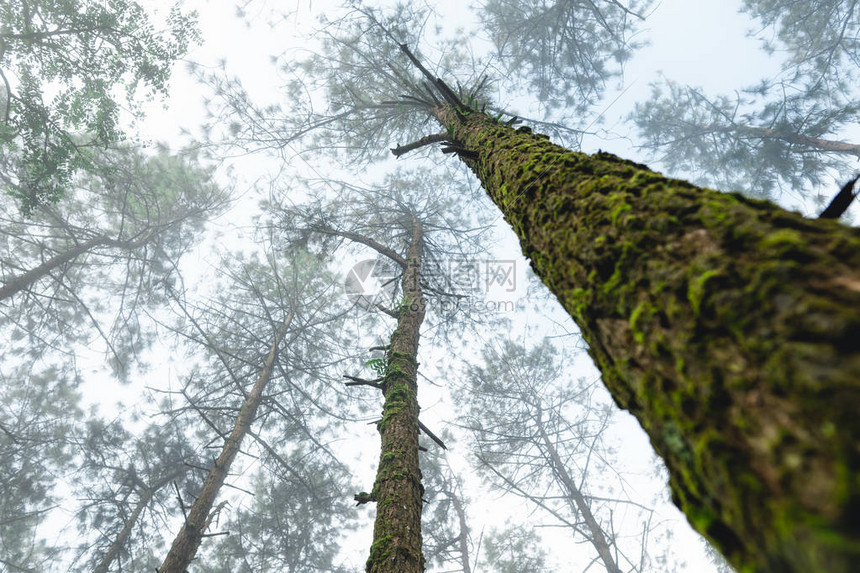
[728,326]
[397,489]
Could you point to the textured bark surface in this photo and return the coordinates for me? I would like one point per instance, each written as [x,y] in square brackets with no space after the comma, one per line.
[729,327]
[188,540]
[397,490]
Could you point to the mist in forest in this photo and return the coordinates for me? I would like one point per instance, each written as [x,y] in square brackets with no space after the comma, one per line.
[428,286]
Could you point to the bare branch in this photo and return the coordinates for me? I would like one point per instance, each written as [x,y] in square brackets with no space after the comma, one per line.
[431,435]
[362,382]
[424,141]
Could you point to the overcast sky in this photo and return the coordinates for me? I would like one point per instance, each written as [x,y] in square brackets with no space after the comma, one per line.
[699,43]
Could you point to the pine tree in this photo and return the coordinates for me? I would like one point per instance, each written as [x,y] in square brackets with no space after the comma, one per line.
[448,540]
[408,222]
[39,408]
[261,337]
[786,134]
[125,484]
[768,139]
[724,324]
[540,435]
[198,518]
[91,264]
[295,523]
[565,51]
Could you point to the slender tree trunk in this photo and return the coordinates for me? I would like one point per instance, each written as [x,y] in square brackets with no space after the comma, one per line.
[463,538]
[28,278]
[728,326]
[578,502]
[113,551]
[188,540]
[816,143]
[397,490]
[122,538]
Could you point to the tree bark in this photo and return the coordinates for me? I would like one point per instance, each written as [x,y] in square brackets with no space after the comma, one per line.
[397,490]
[188,540]
[728,326]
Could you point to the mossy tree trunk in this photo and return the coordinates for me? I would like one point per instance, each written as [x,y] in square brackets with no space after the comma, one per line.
[188,539]
[729,327]
[397,489]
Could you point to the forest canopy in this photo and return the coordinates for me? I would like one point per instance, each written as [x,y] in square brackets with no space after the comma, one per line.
[425,286]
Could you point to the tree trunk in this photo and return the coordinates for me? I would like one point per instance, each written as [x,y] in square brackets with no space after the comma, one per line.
[814,143]
[28,278]
[147,493]
[397,490]
[463,537]
[577,502]
[188,540]
[728,326]
[118,543]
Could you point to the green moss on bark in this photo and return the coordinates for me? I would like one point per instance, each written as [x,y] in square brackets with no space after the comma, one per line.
[728,326]
[397,488]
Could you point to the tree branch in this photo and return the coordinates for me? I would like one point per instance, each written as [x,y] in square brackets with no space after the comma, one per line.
[367,241]
[431,435]
[426,140]
[841,202]
[362,382]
